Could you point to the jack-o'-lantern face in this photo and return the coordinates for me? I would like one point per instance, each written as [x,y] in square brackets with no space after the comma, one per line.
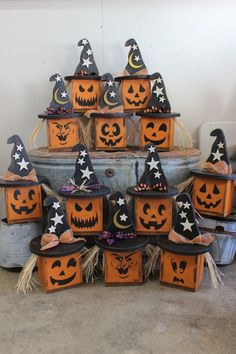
[136,93]
[85,215]
[181,270]
[123,267]
[157,131]
[110,133]
[85,94]
[153,216]
[23,203]
[63,133]
[60,272]
[209,194]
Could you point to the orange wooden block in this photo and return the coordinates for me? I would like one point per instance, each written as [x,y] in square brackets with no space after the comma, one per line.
[213,196]
[23,203]
[159,132]
[62,133]
[181,271]
[85,215]
[85,93]
[58,273]
[123,268]
[153,216]
[110,133]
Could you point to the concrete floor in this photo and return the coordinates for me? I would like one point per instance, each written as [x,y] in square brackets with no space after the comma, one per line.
[128,320]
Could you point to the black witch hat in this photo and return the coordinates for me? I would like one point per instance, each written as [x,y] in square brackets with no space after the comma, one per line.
[153,177]
[135,65]
[84,179]
[87,65]
[185,237]
[219,148]
[20,168]
[110,98]
[158,101]
[60,103]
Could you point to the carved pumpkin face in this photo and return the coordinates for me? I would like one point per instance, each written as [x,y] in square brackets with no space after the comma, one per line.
[110,133]
[153,216]
[62,133]
[123,267]
[136,93]
[181,270]
[60,272]
[85,94]
[211,195]
[157,131]
[85,215]
[23,203]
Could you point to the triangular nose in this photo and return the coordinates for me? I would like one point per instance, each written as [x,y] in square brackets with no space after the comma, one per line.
[62,273]
[208,196]
[136,95]
[23,201]
[153,216]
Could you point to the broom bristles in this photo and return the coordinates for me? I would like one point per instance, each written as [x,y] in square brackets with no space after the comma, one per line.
[186,185]
[90,264]
[153,253]
[134,129]
[185,136]
[27,281]
[85,133]
[51,192]
[35,133]
[215,273]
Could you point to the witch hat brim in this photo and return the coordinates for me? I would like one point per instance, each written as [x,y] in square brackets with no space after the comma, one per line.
[123,245]
[83,194]
[188,249]
[62,249]
[59,115]
[172,191]
[22,183]
[206,174]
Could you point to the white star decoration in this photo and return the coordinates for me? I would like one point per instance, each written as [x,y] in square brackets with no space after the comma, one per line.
[220,145]
[58,78]
[217,155]
[162,99]
[19,147]
[16,156]
[123,217]
[83,153]
[110,83]
[57,219]
[134,46]
[89,52]
[137,58]
[81,162]
[183,215]
[52,229]
[152,148]
[158,91]
[63,94]
[86,62]
[86,173]
[180,204]
[187,225]
[186,205]
[157,174]
[159,80]
[56,205]
[153,164]
[84,41]
[120,201]
[23,164]
[112,94]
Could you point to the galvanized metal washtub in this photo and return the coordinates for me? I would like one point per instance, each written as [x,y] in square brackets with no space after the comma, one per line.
[117,170]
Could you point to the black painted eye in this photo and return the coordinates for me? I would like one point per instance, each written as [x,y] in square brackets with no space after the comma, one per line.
[145,208]
[77,207]
[90,89]
[31,194]
[163,127]
[174,265]
[71,263]
[203,188]
[141,88]
[131,90]
[182,266]
[117,129]
[216,190]
[56,264]
[16,194]
[150,125]
[89,207]
[81,88]
[104,129]
[161,208]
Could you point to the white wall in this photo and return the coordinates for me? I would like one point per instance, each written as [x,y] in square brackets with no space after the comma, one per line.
[191,43]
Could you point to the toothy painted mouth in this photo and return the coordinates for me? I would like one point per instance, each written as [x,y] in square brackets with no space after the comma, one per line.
[152,224]
[208,205]
[155,142]
[110,142]
[23,209]
[136,103]
[62,139]
[84,224]
[87,102]
[178,280]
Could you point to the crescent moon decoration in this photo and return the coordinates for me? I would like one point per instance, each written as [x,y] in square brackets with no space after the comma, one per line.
[130,61]
[57,100]
[106,100]
[117,224]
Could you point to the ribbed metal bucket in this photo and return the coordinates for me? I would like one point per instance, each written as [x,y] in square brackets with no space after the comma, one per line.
[117,170]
